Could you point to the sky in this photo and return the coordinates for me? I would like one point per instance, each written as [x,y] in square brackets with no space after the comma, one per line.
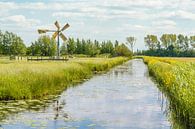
[99,19]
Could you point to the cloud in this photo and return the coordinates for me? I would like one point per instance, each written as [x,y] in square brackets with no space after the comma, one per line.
[67,14]
[20,20]
[164,23]
[100,19]
[186,15]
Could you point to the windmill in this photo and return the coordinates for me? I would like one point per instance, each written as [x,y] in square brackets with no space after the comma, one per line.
[57,33]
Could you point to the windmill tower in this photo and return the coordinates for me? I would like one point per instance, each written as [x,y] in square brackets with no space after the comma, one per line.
[57,33]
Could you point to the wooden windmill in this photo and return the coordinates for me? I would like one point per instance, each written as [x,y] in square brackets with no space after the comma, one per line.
[57,33]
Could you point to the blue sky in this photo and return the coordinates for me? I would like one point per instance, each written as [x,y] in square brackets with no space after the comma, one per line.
[99,19]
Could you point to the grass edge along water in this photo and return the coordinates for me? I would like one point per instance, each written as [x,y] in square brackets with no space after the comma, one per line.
[34,80]
[176,78]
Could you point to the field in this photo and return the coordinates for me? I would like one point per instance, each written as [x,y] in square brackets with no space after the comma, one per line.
[176,77]
[29,80]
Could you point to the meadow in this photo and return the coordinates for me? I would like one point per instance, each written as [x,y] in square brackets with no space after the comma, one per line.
[176,78]
[32,80]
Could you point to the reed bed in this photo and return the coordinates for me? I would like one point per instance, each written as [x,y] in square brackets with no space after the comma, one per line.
[32,80]
[176,77]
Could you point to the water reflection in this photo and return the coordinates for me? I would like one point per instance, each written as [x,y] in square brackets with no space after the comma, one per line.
[123,69]
[123,98]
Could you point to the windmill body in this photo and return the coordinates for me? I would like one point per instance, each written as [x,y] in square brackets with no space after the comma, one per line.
[57,33]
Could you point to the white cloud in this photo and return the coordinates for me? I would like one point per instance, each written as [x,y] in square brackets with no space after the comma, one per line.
[20,20]
[164,23]
[67,14]
[7,6]
[143,3]
[186,15]
[100,18]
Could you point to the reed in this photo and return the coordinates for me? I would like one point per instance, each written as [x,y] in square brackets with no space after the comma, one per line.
[177,80]
[30,80]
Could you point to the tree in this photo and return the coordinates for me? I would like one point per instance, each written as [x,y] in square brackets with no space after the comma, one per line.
[71,47]
[192,41]
[63,49]
[131,41]
[116,43]
[123,50]
[1,43]
[10,44]
[18,47]
[109,47]
[182,42]
[186,43]
[44,46]
[152,42]
[78,47]
[168,40]
[172,45]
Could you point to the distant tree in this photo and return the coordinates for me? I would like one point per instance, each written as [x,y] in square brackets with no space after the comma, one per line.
[109,47]
[131,42]
[192,41]
[152,42]
[11,44]
[18,47]
[116,44]
[63,49]
[168,40]
[1,43]
[71,47]
[83,42]
[172,45]
[44,46]
[123,50]
[182,42]
[88,48]
[78,47]
[7,39]
[186,43]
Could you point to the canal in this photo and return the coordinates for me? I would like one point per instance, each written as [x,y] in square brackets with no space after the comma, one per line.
[123,98]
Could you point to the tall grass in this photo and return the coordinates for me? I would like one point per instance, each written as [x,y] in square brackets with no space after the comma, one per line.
[177,80]
[28,80]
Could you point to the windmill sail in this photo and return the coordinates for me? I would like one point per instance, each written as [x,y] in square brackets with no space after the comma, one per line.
[41,31]
[65,27]
[57,25]
[63,37]
[54,35]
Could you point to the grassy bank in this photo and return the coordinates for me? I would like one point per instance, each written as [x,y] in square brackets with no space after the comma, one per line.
[29,80]
[176,77]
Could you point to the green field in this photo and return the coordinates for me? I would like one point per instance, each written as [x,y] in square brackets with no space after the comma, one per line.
[176,77]
[29,80]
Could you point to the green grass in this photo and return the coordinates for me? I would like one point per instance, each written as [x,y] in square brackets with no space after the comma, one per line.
[30,80]
[176,77]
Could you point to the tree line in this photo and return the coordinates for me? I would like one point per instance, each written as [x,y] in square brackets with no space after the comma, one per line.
[46,46]
[92,48]
[169,45]
[12,44]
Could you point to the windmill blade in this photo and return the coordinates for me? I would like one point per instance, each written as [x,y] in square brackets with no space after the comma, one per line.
[57,25]
[65,27]
[193,45]
[63,37]
[41,31]
[55,34]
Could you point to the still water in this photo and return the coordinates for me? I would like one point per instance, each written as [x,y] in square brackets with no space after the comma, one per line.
[123,98]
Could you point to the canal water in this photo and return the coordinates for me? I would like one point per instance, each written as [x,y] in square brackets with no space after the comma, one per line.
[123,98]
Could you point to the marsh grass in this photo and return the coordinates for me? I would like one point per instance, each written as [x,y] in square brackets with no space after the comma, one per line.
[177,80]
[32,80]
